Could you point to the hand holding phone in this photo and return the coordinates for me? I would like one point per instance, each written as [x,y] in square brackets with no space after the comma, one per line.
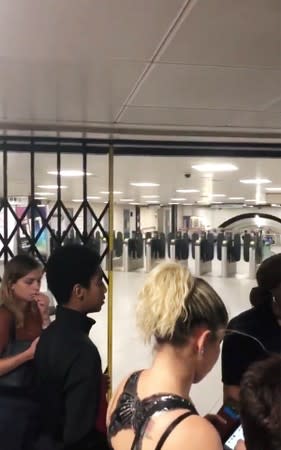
[231,421]
[236,440]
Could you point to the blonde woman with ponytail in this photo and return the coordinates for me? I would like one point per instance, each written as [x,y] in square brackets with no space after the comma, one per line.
[150,410]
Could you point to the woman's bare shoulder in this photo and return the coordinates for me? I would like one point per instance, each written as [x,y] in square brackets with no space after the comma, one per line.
[194,433]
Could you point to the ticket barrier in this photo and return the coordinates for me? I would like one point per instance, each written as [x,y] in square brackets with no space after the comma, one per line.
[202,266]
[133,256]
[152,257]
[252,260]
[117,261]
[228,265]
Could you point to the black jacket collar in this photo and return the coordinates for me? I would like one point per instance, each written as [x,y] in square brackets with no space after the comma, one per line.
[74,319]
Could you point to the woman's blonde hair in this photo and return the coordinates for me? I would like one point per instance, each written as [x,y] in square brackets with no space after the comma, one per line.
[19,266]
[172,302]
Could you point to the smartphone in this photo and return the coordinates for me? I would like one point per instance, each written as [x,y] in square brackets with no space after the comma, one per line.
[234,438]
[232,419]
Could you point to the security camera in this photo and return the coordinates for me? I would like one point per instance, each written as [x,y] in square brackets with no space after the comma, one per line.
[187,175]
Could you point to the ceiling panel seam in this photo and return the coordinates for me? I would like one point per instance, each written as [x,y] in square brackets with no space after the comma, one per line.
[183,13]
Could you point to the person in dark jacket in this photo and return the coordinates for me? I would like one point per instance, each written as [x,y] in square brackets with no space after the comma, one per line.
[68,364]
[257,331]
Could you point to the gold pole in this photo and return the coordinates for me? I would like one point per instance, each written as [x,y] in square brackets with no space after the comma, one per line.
[110,266]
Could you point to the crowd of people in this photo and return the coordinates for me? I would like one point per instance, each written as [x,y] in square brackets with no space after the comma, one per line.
[53,391]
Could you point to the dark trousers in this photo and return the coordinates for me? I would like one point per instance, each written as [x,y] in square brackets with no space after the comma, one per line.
[18,423]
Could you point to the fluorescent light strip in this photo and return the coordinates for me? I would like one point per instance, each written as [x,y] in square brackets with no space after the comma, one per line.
[273,189]
[44,193]
[50,186]
[187,191]
[150,196]
[144,184]
[255,181]
[126,199]
[214,167]
[178,199]
[69,173]
[218,195]
[236,198]
[114,192]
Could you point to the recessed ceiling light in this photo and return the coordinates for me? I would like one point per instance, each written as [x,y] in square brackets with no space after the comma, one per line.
[40,198]
[273,189]
[44,193]
[215,167]
[186,191]
[152,201]
[236,198]
[69,173]
[50,186]
[93,197]
[173,203]
[144,184]
[150,196]
[126,199]
[178,199]
[77,200]
[187,204]
[217,203]
[135,203]
[114,192]
[256,181]
[250,200]
[218,195]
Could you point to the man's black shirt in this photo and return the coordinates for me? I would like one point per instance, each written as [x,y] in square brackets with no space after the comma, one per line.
[69,374]
[239,352]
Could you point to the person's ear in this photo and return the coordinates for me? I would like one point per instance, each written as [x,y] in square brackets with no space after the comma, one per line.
[78,292]
[202,342]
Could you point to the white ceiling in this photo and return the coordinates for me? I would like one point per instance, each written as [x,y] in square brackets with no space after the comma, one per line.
[168,172]
[183,66]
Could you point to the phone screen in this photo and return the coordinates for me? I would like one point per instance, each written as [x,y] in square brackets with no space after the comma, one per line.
[234,438]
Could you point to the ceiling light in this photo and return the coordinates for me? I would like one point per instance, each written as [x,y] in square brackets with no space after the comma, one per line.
[152,201]
[236,198]
[135,204]
[273,189]
[126,199]
[44,193]
[144,184]
[40,198]
[215,167]
[114,192]
[50,186]
[256,181]
[69,173]
[250,200]
[150,196]
[187,204]
[186,191]
[173,203]
[275,205]
[217,203]
[178,199]
[77,200]
[93,197]
[218,195]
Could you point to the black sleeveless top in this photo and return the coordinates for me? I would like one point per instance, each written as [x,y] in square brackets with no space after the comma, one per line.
[133,413]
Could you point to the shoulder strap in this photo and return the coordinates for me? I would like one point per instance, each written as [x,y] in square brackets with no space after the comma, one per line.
[170,428]
[131,384]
